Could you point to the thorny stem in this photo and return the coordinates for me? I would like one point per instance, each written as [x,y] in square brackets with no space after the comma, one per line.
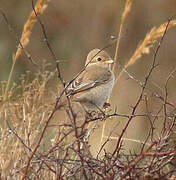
[78,151]
[143,88]
[64,90]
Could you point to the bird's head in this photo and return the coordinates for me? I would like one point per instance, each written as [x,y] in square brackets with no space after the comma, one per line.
[99,57]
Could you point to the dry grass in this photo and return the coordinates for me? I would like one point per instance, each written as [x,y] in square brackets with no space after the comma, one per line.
[23,118]
[21,121]
[144,48]
[149,41]
[39,142]
[40,6]
[125,13]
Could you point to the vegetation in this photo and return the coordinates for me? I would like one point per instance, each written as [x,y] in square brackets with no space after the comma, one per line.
[40,141]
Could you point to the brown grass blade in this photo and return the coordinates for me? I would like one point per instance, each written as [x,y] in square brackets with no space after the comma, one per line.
[148,42]
[39,8]
[124,15]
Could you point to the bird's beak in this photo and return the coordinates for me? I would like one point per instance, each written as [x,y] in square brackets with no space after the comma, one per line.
[110,61]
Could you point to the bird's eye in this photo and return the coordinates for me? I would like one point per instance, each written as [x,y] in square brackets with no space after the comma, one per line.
[99,59]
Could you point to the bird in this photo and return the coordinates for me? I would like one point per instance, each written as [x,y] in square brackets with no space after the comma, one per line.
[94,85]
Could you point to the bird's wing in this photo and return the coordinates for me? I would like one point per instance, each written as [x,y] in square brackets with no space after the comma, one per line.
[77,86]
[89,80]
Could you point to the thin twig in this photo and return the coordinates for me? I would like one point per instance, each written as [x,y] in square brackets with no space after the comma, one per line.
[143,88]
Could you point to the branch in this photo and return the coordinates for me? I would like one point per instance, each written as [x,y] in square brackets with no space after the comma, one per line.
[143,88]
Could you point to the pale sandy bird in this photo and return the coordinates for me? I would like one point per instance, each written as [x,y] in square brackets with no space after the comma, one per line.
[94,85]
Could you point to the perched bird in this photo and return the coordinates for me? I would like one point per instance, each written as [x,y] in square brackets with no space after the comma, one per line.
[94,85]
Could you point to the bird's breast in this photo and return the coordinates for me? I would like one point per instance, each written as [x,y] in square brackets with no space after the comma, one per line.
[102,93]
[96,96]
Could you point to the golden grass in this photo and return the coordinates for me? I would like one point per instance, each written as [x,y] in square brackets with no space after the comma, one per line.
[24,40]
[143,48]
[26,115]
[124,16]
[126,11]
[39,9]
[149,41]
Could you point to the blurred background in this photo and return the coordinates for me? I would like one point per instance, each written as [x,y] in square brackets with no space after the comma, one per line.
[76,27]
